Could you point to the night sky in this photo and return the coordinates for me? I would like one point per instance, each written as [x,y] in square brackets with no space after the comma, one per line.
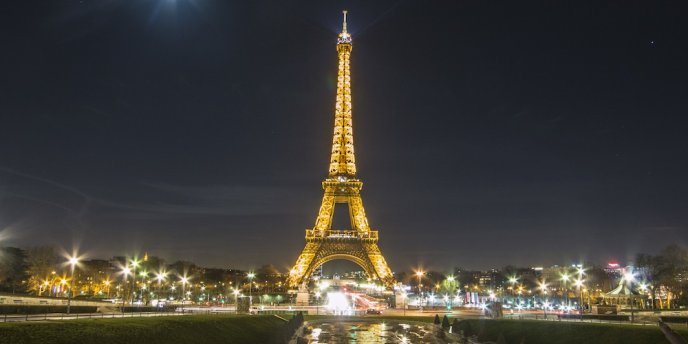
[487,133]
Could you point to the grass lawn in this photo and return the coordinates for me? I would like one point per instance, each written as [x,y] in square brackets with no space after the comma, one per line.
[537,332]
[682,330]
[163,330]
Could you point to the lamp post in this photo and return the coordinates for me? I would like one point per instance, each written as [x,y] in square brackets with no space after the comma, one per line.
[134,264]
[125,272]
[143,275]
[630,278]
[160,276]
[543,291]
[72,263]
[250,276]
[579,283]
[107,287]
[184,281]
[420,274]
[565,279]
[236,300]
[512,281]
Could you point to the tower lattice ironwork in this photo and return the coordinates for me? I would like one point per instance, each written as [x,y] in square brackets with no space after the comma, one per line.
[323,243]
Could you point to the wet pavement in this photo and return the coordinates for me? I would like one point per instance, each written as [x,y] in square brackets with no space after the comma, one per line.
[372,332]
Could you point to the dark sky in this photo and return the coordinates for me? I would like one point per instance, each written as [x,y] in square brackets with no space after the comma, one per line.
[487,132]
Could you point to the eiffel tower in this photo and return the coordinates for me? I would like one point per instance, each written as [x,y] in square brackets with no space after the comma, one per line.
[323,243]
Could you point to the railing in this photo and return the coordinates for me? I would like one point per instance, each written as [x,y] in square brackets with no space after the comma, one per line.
[340,234]
[76,316]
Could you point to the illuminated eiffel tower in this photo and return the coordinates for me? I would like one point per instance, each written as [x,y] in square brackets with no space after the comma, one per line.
[323,243]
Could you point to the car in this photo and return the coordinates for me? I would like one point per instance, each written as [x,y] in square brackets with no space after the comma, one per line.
[374,311]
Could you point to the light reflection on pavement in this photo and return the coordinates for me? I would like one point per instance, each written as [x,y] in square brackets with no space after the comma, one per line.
[372,332]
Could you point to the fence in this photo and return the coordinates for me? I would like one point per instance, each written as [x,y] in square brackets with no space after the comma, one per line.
[76,316]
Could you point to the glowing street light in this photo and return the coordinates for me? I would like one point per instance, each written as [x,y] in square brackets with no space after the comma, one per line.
[513,280]
[579,283]
[543,289]
[236,300]
[107,283]
[250,276]
[72,261]
[134,264]
[629,276]
[419,274]
[542,285]
[184,281]
[125,272]
[160,276]
[565,278]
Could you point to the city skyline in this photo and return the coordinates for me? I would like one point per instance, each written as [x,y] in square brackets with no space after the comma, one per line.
[187,133]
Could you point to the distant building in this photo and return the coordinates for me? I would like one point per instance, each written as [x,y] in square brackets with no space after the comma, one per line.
[614,270]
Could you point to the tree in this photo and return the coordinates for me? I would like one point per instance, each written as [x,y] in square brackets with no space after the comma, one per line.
[449,286]
[41,261]
[437,320]
[12,269]
[667,270]
[672,264]
[445,323]
[649,266]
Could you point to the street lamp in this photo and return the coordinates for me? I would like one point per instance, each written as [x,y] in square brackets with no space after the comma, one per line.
[236,300]
[107,286]
[134,264]
[143,275]
[579,283]
[250,276]
[512,281]
[73,261]
[160,276]
[565,278]
[420,274]
[629,276]
[184,280]
[125,272]
[543,290]
[207,295]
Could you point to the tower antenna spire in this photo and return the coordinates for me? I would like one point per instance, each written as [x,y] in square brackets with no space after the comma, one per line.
[344,23]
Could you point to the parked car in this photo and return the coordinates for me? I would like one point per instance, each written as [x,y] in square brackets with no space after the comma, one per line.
[374,311]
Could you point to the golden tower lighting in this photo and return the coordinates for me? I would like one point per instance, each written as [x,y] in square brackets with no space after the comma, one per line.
[323,243]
